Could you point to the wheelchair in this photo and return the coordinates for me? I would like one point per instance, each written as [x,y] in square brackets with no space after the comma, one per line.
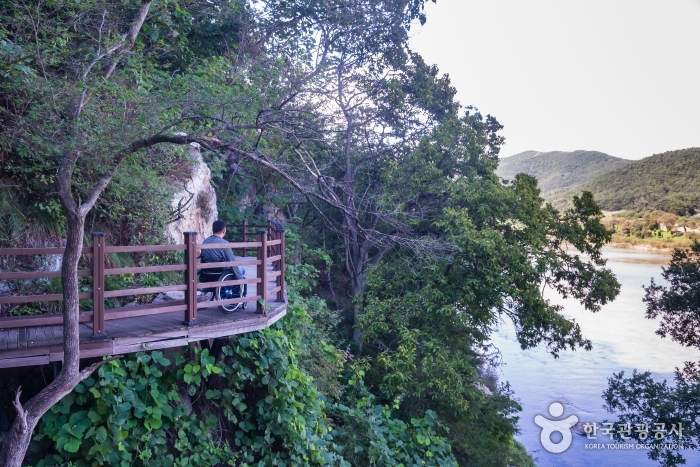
[223,292]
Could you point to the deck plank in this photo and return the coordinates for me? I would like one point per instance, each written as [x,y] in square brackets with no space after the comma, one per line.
[22,338]
[56,335]
[13,339]
[31,336]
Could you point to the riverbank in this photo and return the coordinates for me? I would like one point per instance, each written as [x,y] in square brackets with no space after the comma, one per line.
[651,231]
[649,244]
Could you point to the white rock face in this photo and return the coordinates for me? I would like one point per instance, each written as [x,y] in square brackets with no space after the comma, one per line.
[196,202]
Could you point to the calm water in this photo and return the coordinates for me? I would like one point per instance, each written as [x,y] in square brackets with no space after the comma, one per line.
[622,340]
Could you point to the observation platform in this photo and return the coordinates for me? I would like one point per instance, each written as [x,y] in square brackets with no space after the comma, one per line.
[38,339]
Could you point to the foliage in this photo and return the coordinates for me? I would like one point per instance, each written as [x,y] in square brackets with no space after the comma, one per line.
[558,170]
[65,66]
[255,406]
[270,404]
[132,414]
[677,304]
[429,313]
[372,434]
[641,400]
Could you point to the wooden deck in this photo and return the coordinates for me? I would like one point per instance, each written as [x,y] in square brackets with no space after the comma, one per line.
[44,344]
[39,345]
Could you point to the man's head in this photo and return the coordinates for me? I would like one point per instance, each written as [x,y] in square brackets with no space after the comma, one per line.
[219,228]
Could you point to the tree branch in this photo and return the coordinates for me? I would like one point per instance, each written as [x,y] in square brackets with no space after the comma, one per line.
[119,158]
[92,368]
[21,412]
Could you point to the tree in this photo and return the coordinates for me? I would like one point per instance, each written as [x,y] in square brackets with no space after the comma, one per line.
[76,92]
[357,97]
[643,400]
[429,316]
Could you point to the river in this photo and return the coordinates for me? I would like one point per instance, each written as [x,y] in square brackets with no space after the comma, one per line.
[622,341]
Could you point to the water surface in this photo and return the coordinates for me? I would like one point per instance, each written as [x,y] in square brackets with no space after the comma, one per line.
[622,340]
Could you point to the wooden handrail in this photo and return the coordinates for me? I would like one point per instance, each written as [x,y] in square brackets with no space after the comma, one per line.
[144,290]
[143,248]
[8,276]
[39,251]
[239,226]
[228,301]
[268,245]
[226,264]
[204,285]
[40,320]
[213,246]
[144,269]
[54,297]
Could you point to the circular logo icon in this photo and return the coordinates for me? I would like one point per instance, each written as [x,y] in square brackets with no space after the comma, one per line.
[553,426]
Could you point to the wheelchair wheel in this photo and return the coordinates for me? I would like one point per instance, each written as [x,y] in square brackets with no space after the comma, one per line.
[228,291]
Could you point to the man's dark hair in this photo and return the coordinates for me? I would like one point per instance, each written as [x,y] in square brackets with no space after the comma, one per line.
[218,226]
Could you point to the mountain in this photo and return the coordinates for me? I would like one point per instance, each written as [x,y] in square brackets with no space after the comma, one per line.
[668,182]
[557,170]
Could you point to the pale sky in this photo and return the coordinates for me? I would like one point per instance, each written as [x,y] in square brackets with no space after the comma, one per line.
[617,76]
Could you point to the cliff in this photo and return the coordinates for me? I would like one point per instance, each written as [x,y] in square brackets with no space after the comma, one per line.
[194,206]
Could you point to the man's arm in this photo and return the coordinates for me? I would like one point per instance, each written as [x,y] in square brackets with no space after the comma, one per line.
[228,254]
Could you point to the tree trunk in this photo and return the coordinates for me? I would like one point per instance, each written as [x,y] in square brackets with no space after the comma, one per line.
[357,257]
[358,288]
[28,416]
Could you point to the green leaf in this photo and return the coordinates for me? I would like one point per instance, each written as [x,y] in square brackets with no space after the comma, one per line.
[73,445]
[101,434]
[152,423]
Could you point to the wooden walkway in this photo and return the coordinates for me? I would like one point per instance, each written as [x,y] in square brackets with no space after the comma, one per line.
[39,345]
[38,339]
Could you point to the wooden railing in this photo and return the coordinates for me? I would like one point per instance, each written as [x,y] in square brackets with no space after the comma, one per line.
[268,246]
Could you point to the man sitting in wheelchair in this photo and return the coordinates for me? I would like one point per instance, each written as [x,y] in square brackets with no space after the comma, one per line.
[229,273]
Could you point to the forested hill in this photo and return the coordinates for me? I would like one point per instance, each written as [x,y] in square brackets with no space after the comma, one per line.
[668,182]
[558,169]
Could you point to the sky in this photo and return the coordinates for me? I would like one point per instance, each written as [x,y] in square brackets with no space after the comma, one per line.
[616,76]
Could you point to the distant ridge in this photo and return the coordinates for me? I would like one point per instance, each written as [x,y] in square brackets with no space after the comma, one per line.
[668,182]
[557,170]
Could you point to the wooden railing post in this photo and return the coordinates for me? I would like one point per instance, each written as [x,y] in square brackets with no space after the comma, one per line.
[279,247]
[270,236]
[191,279]
[280,278]
[245,236]
[262,271]
[98,286]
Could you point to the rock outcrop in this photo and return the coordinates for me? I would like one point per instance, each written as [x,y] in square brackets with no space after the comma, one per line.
[195,204]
